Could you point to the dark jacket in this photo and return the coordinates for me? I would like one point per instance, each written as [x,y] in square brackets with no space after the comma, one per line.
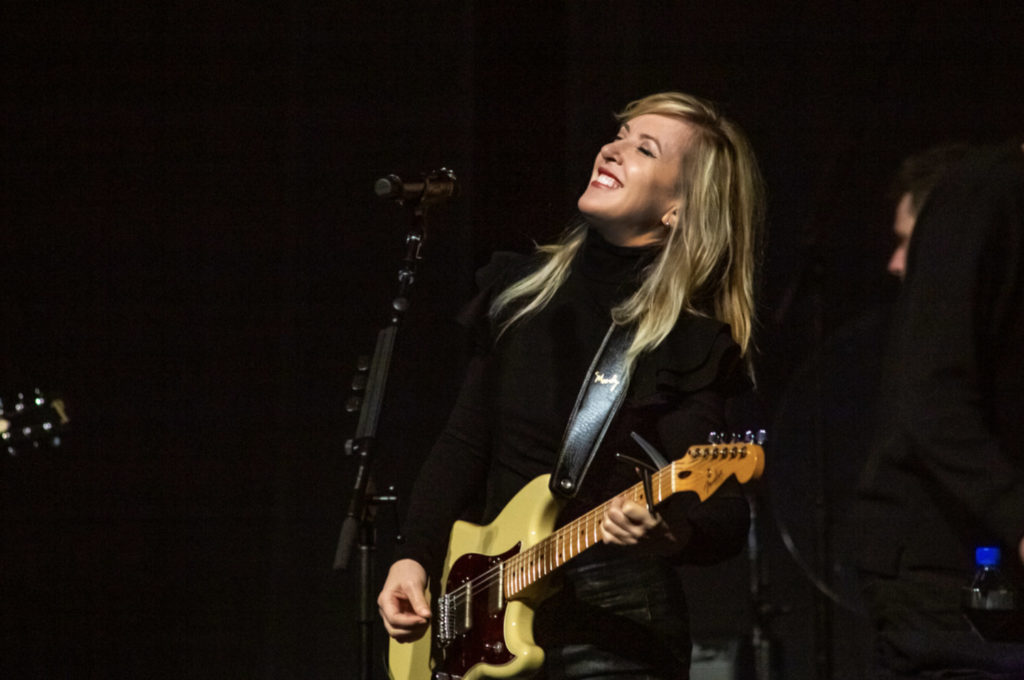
[947,470]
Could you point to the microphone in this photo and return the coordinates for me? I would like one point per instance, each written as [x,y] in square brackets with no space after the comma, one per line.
[436,187]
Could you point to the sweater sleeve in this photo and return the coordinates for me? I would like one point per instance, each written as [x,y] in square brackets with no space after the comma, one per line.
[452,476]
[452,479]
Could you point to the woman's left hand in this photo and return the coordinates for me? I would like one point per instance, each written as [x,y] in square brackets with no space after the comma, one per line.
[629,523]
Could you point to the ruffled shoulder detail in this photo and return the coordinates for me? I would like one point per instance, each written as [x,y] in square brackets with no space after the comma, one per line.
[504,268]
[697,353]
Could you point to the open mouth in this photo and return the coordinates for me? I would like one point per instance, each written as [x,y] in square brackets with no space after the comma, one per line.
[606,180]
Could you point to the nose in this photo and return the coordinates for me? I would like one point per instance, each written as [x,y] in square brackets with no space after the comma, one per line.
[612,151]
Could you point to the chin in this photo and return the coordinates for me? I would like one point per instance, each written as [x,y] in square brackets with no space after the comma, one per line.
[589,206]
[591,218]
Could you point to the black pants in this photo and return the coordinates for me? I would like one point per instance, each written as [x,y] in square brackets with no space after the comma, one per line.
[622,618]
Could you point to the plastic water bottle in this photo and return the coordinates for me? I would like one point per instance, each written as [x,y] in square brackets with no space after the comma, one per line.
[990,601]
[990,590]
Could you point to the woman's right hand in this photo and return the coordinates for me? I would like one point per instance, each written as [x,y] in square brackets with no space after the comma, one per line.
[402,603]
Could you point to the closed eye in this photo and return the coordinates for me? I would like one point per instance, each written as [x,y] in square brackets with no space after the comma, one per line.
[645,151]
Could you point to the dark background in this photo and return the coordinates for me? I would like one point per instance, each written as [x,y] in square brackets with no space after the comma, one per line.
[194,258]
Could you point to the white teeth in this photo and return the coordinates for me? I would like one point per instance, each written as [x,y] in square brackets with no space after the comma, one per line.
[607,181]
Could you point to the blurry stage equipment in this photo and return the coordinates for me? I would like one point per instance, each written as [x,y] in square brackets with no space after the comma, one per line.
[824,423]
[31,419]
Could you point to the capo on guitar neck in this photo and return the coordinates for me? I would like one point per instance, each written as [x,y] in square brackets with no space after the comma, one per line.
[643,468]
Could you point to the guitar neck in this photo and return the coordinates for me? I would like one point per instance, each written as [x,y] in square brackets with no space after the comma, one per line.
[702,470]
[531,565]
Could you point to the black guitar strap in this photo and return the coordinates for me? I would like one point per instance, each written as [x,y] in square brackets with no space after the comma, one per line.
[603,390]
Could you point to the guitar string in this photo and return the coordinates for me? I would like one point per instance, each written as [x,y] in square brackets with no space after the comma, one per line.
[486,578]
[529,572]
[538,568]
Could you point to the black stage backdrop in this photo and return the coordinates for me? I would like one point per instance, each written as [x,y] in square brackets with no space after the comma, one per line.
[194,258]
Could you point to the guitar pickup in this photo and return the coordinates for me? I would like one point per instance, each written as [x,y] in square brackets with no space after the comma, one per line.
[496,592]
[467,604]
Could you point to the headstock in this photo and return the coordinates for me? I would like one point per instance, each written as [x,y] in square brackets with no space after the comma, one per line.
[706,466]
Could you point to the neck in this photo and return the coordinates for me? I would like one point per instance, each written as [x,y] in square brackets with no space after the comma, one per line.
[629,237]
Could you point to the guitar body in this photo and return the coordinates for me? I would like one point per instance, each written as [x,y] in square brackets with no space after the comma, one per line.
[499,643]
[494,576]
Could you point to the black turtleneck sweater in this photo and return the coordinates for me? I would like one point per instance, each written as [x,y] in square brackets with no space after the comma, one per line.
[509,419]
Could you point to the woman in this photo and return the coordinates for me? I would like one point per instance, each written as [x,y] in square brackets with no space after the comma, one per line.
[666,244]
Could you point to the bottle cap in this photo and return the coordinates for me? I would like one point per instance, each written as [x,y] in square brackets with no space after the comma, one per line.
[987,556]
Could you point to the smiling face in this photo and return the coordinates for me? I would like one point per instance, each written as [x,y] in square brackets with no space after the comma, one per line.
[633,192]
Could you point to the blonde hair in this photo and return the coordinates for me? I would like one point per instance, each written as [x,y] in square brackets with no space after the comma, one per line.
[707,261]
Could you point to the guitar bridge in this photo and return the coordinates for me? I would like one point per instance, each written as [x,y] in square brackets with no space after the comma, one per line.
[446,619]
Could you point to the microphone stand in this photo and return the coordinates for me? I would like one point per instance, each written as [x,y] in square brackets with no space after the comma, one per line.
[358,525]
[765,659]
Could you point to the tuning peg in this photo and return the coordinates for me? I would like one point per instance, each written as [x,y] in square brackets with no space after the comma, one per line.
[751,437]
[353,404]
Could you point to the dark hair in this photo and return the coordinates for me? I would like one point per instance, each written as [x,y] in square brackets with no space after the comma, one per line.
[918,174]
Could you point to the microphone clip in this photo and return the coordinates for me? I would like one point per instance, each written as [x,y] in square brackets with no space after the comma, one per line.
[436,187]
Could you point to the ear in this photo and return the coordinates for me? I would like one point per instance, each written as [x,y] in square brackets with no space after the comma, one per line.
[669,219]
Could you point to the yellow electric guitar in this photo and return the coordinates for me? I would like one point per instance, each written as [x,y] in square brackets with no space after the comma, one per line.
[483,621]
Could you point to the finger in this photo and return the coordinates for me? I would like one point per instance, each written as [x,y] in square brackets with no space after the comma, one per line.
[617,529]
[632,518]
[406,605]
[395,607]
[403,622]
[409,635]
[638,514]
[404,627]
[417,601]
[405,633]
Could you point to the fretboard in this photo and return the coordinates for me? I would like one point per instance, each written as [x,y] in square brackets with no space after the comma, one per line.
[529,566]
